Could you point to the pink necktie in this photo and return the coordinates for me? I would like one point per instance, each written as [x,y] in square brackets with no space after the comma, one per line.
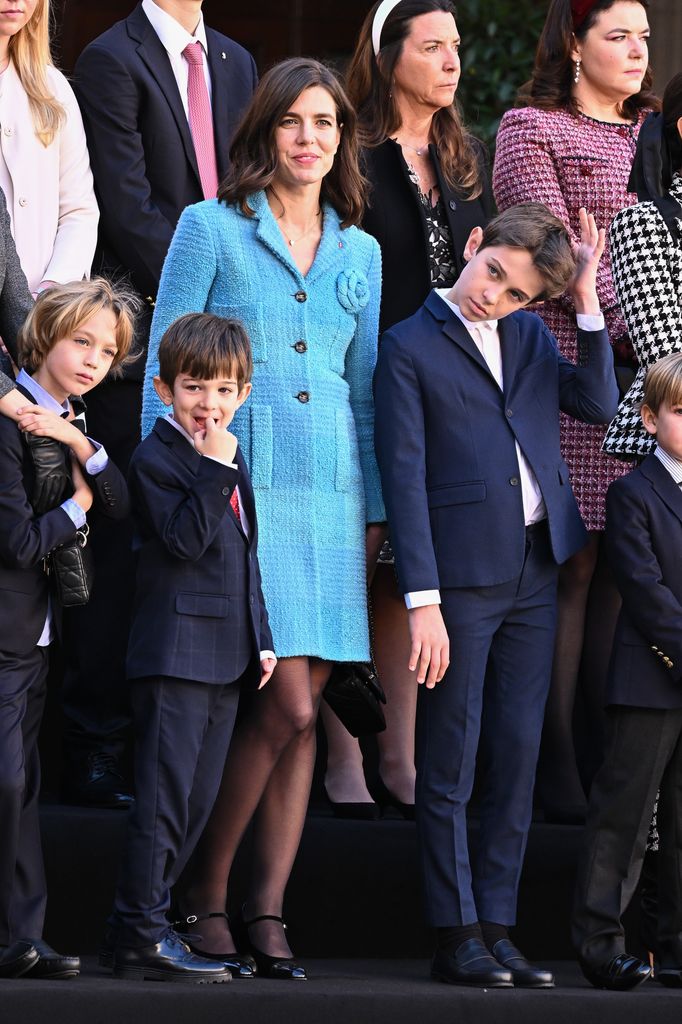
[200,120]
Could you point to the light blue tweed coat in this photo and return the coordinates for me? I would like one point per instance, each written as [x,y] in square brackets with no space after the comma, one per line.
[312,462]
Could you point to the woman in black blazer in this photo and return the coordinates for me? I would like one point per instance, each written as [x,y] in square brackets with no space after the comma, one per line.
[429,186]
[15,305]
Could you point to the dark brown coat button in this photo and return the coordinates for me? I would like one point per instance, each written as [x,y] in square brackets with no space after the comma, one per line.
[300,296]
[301,347]
[303,396]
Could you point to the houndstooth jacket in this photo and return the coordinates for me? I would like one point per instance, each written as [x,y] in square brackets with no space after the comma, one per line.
[647,271]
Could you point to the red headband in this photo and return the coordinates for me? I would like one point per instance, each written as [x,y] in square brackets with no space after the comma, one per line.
[580,9]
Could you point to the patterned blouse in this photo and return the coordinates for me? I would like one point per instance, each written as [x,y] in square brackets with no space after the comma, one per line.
[566,162]
[440,253]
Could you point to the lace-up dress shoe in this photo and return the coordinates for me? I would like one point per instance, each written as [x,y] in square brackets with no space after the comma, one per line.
[240,965]
[97,782]
[168,960]
[17,959]
[525,974]
[470,964]
[50,965]
[619,974]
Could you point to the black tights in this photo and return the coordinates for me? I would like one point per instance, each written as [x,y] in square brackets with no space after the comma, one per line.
[267,777]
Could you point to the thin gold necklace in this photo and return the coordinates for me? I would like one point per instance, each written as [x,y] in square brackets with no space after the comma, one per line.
[292,241]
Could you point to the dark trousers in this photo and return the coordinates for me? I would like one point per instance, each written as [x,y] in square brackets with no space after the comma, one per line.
[643,754]
[22,877]
[182,733]
[501,643]
[94,691]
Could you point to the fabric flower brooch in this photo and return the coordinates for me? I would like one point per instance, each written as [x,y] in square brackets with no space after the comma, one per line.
[352,290]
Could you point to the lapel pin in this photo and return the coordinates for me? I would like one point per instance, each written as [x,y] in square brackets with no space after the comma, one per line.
[223,55]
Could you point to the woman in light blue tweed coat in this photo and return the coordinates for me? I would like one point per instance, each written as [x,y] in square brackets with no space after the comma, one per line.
[280,251]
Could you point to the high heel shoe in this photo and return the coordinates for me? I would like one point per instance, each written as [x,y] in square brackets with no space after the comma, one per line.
[383,796]
[238,964]
[355,810]
[282,968]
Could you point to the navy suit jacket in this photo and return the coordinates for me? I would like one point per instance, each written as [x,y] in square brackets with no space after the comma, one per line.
[445,435]
[25,538]
[140,144]
[199,612]
[644,546]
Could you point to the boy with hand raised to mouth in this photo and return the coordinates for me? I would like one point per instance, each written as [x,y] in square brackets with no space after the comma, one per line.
[468,392]
[199,632]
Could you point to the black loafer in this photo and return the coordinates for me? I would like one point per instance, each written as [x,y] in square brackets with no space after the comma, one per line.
[50,965]
[470,964]
[168,960]
[671,977]
[17,959]
[618,974]
[525,974]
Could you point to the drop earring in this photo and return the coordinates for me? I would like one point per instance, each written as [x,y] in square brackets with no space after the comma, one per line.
[576,76]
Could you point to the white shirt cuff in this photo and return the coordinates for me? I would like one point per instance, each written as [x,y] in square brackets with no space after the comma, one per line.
[222,462]
[268,654]
[590,321]
[74,512]
[420,598]
[97,462]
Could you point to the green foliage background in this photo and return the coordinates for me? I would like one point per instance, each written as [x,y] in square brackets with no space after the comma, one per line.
[499,38]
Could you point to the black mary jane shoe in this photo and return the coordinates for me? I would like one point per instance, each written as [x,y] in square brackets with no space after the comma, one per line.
[240,965]
[280,968]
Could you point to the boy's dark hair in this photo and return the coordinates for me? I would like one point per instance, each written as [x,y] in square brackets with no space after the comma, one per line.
[206,347]
[531,226]
[663,382]
[60,310]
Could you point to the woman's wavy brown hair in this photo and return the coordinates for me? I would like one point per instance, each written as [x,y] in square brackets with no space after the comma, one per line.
[369,86]
[253,154]
[550,87]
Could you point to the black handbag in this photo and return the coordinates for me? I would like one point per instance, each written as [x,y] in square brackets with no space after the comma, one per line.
[355,695]
[69,567]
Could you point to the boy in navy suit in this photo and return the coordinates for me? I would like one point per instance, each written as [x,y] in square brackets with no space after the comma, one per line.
[74,335]
[644,713]
[480,511]
[199,629]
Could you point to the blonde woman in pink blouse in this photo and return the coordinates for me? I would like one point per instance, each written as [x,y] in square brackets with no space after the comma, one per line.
[572,145]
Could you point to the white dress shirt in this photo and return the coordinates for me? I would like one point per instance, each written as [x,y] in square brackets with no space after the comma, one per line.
[174,38]
[486,337]
[673,465]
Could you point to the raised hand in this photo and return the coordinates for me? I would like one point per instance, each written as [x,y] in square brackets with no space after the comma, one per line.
[588,252]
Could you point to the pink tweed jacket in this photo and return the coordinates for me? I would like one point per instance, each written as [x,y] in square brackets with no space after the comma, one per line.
[566,162]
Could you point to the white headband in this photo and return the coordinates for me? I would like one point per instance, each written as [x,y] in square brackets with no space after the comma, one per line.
[383,11]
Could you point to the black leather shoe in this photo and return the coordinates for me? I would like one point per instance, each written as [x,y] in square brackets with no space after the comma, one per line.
[16,959]
[280,968]
[382,795]
[470,964]
[169,960]
[52,966]
[97,782]
[525,974]
[239,965]
[619,974]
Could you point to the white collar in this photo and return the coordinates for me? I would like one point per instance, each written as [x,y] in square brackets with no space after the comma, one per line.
[181,430]
[42,397]
[483,325]
[173,36]
[673,465]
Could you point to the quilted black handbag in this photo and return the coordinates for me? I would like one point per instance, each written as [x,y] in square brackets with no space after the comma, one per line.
[355,695]
[69,567]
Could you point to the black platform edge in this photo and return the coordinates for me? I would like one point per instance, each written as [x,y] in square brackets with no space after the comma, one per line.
[364,992]
[354,890]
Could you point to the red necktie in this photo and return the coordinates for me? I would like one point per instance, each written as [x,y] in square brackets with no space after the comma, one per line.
[201,120]
[234,502]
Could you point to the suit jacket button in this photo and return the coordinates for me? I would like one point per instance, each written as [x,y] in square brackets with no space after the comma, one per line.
[225,491]
[300,296]
[510,413]
[303,396]
[452,204]
[513,480]
[301,347]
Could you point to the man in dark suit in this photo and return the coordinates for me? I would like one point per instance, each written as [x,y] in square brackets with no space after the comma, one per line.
[643,752]
[199,630]
[149,154]
[480,512]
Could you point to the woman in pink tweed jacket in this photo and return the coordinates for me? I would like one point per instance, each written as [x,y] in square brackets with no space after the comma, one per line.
[572,145]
